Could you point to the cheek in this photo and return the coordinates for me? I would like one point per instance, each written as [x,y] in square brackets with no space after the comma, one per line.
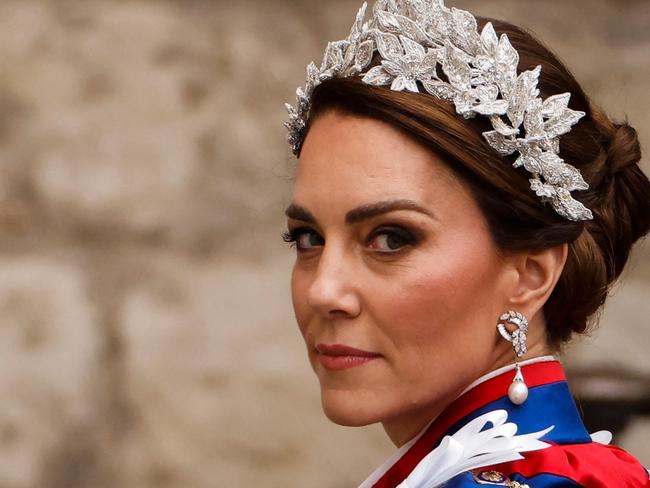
[442,304]
[299,289]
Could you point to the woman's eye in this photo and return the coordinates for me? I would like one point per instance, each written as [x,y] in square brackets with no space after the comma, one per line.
[303,238]
[309,239]
[391,240]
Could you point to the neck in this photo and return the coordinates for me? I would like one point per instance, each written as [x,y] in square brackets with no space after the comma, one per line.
[405,428]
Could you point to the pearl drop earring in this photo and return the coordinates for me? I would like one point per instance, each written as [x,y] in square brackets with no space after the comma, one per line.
[518,391]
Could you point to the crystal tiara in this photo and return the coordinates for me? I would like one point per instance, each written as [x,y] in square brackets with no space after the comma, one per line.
[414,38]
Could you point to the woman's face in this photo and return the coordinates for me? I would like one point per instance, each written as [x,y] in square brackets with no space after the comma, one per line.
[397,285]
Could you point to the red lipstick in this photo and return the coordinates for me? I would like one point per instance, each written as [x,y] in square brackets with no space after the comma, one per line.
[338,356]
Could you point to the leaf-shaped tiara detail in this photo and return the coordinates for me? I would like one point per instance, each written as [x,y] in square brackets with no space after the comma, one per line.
[417,37]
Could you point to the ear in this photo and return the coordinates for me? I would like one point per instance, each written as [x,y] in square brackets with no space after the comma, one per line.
[537,273]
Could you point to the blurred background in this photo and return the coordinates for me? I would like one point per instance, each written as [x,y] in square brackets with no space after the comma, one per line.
[146,331]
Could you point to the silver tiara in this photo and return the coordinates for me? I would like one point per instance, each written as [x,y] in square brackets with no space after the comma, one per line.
[415,39]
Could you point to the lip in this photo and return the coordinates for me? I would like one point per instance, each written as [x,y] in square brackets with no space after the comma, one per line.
[339,356]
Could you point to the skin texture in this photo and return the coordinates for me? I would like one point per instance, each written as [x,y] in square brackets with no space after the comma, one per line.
[422,286]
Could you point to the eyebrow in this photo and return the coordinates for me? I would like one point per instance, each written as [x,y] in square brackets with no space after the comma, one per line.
[362,213]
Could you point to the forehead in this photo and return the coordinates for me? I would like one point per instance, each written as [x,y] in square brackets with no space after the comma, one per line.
[359,160]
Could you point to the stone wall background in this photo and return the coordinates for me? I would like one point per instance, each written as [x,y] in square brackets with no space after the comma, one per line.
[146,334]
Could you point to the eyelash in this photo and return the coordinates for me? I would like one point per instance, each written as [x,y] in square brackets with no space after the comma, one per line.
[409,238]
[292,236]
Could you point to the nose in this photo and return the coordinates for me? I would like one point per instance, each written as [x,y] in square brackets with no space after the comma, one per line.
[333,291]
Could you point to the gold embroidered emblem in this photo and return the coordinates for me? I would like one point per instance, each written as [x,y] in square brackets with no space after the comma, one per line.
[495,478]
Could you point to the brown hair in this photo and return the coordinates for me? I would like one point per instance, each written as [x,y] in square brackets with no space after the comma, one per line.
[606,153]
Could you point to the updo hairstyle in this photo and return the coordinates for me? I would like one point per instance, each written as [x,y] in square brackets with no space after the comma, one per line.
[606,153]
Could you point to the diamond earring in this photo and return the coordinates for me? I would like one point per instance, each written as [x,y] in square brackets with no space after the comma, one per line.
[518,391]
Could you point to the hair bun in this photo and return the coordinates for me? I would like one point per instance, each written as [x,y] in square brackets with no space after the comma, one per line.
[624,148]
[624,204]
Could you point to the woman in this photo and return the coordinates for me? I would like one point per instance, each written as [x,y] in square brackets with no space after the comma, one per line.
[460,210]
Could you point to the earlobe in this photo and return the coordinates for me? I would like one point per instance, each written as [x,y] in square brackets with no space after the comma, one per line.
[538,272]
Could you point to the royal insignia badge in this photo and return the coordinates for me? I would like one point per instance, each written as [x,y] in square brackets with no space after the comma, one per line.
[494,478]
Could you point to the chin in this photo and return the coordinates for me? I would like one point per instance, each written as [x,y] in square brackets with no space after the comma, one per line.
[349,410]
